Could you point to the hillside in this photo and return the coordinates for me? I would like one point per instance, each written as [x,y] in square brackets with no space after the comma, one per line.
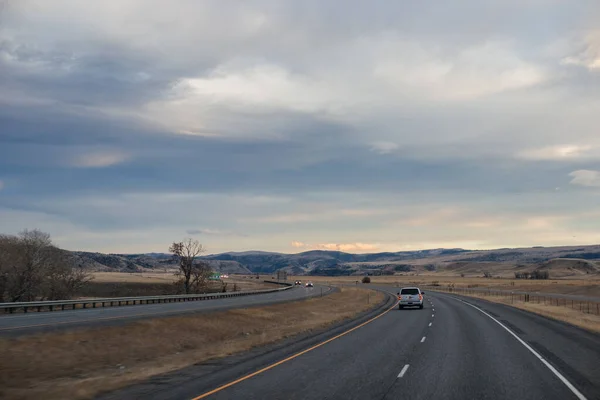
[502,262]
[146,262]
[560,261]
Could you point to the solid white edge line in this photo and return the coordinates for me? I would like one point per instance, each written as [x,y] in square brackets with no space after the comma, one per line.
[430,323]
[564,380]
[422,340]
[401,374]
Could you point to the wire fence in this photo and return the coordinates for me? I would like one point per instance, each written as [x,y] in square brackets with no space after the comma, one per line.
[584,306]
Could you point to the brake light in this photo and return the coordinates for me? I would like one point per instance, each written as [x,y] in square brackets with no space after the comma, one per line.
[420,296]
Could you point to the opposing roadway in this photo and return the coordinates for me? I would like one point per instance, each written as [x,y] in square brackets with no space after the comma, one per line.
[455,348]
[18,324]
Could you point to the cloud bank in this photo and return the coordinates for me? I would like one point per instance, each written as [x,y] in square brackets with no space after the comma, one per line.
[356,126]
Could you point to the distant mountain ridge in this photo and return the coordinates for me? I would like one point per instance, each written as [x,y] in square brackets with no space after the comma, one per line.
[324,262]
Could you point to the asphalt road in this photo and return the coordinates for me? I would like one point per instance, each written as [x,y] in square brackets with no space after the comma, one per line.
[452,349]
[20,324]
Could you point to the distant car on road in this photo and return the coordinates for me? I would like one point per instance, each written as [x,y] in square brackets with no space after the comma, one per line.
[410,297]
[298,283]
[309,284]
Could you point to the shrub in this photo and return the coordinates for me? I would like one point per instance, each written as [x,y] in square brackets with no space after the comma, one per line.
[522,275]
[366,279]
[430,267]
[537,274]
[32,268]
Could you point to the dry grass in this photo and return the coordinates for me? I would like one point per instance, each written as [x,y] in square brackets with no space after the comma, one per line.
[143,277]
[582,287]
[81,363]
[242,282]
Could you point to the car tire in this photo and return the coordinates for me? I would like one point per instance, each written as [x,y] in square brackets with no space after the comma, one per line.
[400,307]
[421,306]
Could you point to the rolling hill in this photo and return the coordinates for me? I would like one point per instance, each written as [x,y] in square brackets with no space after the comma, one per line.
[560,261]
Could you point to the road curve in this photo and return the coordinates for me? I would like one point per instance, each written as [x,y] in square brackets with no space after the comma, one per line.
[455,348]
[19,324]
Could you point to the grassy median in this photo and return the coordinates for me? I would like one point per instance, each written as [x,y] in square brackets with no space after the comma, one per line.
[79,364]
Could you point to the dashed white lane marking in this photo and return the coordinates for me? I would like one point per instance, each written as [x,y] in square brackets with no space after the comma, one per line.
[401,374]
[422,340]
[430,323]
[433,309]
[432,315]
[564,380]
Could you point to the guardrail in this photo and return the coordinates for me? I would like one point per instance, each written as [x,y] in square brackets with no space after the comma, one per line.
[280,283]
[584,306]
[61,305]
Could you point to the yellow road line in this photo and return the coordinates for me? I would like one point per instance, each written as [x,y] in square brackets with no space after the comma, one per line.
[260,371]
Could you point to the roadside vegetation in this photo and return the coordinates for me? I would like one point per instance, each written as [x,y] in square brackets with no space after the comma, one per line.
[193,274]
[573,315]
[79,364]
[122,284]
[32,268]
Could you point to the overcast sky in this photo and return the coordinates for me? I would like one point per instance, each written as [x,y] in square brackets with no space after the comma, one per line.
[294,125]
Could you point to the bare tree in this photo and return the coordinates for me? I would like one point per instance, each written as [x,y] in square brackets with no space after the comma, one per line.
[200,273]
[32,268]
[186,253]
[8,258]
[63,278]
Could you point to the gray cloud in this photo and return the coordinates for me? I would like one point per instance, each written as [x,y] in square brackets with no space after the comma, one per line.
[320,103]
[213,232]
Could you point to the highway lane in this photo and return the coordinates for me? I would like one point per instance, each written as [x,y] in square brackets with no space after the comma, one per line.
[449,350]
[19,324]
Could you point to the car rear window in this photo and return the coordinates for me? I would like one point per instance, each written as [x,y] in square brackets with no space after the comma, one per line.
[409,291]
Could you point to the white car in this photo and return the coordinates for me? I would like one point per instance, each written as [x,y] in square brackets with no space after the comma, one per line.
[410,297]
[309,284]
